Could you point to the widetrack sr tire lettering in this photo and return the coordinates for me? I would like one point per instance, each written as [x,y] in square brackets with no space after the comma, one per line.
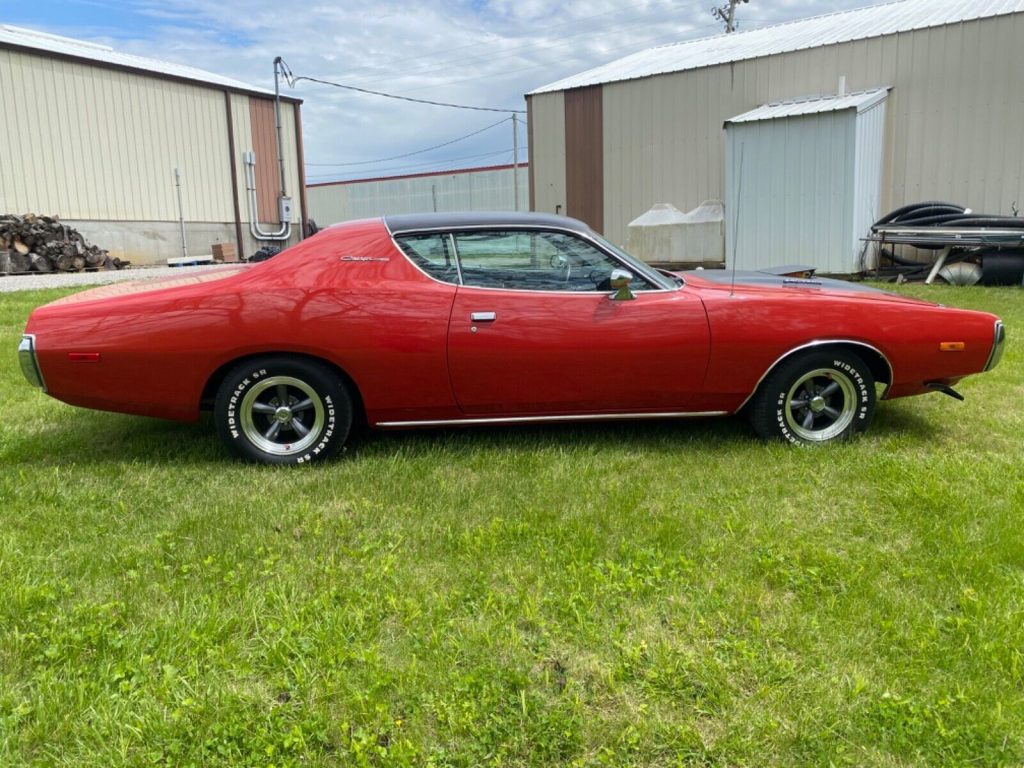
[815,398]
[283,410]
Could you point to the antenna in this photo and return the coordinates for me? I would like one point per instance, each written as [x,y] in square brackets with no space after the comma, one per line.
[736,226]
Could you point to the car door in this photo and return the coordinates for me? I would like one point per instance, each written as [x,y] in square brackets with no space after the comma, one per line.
[533,330]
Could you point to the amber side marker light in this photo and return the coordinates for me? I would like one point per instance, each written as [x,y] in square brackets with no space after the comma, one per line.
[84,357]
[951,346]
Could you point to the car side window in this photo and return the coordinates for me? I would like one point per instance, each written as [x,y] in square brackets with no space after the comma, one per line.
[433,254]
[534,261]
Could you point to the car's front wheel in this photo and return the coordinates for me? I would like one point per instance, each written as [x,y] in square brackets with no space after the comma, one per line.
[815,398]
[282,410]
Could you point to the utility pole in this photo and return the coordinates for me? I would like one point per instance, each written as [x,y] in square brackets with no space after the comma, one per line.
[515,160]
[727,14]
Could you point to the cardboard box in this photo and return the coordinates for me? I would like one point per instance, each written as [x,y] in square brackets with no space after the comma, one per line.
[224,252]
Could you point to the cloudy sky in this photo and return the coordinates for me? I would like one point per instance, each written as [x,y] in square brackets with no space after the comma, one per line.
[485,53]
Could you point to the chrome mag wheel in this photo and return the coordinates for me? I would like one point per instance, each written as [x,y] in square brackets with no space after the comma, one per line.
[815,398]
[283,410]
[282,415]
[821,405]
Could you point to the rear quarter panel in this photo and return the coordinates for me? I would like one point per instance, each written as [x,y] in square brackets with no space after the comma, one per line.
[752,328]
[346,296]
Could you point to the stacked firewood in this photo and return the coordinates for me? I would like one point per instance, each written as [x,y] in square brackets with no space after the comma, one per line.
[32,243]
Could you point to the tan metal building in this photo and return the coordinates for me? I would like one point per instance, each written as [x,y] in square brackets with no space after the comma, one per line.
[94,136]
[493,188]
[608,144]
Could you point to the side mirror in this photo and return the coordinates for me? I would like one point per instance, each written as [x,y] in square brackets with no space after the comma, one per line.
[619,280]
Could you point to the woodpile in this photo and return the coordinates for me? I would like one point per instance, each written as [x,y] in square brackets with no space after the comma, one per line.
[32,243]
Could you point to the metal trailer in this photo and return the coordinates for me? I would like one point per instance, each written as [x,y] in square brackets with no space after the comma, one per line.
[948,241]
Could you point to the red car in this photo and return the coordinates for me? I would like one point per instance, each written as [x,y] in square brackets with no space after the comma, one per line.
[460,319]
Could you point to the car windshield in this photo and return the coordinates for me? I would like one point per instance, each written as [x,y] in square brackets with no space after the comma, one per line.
[639,267]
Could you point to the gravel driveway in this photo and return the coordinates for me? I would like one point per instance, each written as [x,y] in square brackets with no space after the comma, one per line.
[35,280]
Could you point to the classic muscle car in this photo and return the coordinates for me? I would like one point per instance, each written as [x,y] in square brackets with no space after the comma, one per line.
[463,319]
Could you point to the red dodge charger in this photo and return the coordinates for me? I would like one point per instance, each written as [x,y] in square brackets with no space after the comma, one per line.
[461,319]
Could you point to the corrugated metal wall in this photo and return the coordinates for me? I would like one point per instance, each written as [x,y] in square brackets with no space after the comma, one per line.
[86,142]
[264,143]
[484,190]
[95,144]
[803,189]
[584,156]
[265,147]
[951,124]
[547,152]
[867,193]
[790,186]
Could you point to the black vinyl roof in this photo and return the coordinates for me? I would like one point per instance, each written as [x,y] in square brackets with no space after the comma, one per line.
[420,222]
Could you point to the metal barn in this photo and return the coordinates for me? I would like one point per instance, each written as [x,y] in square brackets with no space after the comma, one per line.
[94,136]
[608,144]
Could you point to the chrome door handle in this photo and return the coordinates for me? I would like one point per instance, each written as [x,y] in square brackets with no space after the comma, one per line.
[483,317]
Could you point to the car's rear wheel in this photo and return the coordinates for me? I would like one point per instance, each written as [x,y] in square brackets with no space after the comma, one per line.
[815,398]
[282,410]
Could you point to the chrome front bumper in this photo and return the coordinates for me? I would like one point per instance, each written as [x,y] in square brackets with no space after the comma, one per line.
[29,364]
[998,345]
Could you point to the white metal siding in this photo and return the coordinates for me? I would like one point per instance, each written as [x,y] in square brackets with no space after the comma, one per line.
[860,101]
[870,158]
[489,190]
[950,121]
[790,192]
[98,144]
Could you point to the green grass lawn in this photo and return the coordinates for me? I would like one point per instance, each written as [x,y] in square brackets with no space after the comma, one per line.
[632,594]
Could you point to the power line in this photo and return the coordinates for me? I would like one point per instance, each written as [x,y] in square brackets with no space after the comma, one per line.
[410,154]
[292,80]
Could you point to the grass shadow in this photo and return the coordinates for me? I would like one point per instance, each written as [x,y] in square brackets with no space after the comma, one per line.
[653,435]
[86,437]
[96,438]
[892,419]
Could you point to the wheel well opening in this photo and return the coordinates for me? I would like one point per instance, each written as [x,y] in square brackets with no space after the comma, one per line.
[873,359]
[217,377]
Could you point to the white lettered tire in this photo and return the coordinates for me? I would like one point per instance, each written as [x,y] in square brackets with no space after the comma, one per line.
[815,398]
[283,410]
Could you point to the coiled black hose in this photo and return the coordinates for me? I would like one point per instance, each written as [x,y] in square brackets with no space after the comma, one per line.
[937,214]
[916,210]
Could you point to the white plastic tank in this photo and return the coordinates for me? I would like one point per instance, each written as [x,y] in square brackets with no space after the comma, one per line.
[666,235]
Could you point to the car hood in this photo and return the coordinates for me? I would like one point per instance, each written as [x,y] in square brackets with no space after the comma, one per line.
[724,279]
